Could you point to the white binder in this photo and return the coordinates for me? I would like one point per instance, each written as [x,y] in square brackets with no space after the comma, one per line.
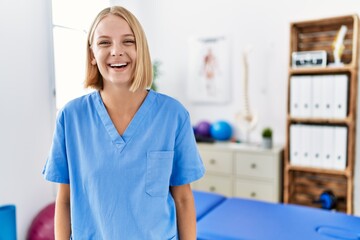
[295,83]
[305,146]
[316,105]
[295,140]
[306,97]
[340,155]
[327,96]
[316,146]
[340,96]
[328,147]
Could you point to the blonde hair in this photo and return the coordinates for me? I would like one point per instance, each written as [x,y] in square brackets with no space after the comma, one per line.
[142,77]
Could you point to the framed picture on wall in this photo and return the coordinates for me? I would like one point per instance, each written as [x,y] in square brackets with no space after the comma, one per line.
[208,70]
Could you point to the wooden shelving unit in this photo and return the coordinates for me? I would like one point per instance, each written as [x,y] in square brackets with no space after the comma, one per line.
[304,184]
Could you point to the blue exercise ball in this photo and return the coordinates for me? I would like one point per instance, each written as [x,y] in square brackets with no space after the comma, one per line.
[221,131]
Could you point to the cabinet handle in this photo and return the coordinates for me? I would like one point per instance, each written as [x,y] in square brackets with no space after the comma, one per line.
[253,165]
[253,194]
[212,161]
[212,189]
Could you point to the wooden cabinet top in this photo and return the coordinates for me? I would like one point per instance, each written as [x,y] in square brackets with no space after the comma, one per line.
[239,147]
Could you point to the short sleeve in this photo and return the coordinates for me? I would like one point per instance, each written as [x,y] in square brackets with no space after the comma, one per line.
[187,166]
[56,166]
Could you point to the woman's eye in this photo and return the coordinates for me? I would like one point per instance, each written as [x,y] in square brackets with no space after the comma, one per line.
[129,42]
[104,43]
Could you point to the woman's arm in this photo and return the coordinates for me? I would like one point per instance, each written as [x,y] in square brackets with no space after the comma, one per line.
[62,213]
[185,211]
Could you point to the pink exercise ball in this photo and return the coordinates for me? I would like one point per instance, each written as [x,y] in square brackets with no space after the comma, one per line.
[42,227]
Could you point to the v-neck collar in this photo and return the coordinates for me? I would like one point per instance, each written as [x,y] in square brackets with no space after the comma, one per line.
[120,140]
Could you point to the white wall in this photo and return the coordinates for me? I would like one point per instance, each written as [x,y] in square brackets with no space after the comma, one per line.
[26,105]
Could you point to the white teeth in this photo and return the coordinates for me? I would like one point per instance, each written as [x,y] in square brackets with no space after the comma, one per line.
[118,65]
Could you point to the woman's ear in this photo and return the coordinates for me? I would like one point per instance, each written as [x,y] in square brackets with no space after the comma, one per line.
[91,53]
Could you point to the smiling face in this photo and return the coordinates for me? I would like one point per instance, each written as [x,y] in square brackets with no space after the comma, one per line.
[114,51]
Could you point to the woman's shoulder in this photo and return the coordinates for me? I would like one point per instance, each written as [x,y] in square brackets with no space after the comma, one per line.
[169,102]
[79,104]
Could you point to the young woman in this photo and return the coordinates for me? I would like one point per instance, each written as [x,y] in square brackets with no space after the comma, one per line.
[124,155]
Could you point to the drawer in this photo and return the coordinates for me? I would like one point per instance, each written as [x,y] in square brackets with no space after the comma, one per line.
[217,184]
[255,190]
[217,161]
[255,166]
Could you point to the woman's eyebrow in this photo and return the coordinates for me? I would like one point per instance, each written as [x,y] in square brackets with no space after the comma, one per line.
[125,35]
[102,36]
[129,35]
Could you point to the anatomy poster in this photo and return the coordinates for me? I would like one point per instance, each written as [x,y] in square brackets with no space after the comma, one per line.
[208,76]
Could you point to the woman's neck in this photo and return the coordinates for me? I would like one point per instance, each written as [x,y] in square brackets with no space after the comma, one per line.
[122,100]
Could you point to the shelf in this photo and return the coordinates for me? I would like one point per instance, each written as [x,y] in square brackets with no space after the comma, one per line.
[346,121]
[320,34]
[306,187]
[345,173]
[318,70]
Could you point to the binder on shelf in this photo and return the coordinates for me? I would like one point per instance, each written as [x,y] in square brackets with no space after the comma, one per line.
[295,83]
[340,155]
[305,96]
[327,155]
[305,146]
[340,95]
[327,96]
[316,146]
[295,151]
[316,106]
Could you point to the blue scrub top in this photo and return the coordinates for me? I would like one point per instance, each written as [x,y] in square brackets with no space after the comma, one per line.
[120,183]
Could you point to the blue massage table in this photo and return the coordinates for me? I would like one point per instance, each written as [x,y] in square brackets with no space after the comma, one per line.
[236,218]
[205,202]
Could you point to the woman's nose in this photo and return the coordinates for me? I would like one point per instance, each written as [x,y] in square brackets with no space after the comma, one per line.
[117,51]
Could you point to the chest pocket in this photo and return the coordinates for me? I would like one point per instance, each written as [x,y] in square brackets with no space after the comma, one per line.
[158,172]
